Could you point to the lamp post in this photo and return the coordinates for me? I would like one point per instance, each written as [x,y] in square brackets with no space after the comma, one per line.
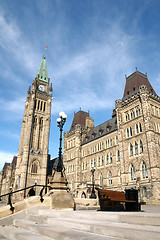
[60,121]
[60,197]
[93,195]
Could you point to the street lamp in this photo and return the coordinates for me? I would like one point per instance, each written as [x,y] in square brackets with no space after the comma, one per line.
[93,195]
[60,121]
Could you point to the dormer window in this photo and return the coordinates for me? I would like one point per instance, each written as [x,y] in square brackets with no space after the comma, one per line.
[108,128]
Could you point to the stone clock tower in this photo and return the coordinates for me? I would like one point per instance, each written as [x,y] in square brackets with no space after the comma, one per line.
[33,147]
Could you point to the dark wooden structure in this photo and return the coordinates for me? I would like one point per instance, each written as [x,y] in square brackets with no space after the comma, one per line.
[118,201]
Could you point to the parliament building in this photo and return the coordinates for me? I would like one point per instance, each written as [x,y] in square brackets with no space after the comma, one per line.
[124,150]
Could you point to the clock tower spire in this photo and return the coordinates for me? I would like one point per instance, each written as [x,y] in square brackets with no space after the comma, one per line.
[33,146]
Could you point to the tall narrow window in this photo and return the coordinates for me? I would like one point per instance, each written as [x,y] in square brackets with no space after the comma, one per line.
[140,127]
[133,173]
[110,178]
[111,142]
[34,168]
[131,149]
[41,105]
[99,161]
[44,107]
[137,128]
[127,132]
[110,157]
[118,155]
[141,146]
[102,160]
[144,170]
[136,148]
[91,163]
[130,131]
[38,104]
[101,180]
[107,158]
[94,162]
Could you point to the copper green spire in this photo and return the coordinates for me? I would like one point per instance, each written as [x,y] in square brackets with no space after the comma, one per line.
[42,71]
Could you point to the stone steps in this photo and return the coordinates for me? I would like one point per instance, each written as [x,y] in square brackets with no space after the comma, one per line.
[14,233]
[44,223]
[141,218]
[57,231]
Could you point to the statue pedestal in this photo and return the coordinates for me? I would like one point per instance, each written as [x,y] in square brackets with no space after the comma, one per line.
[60,197]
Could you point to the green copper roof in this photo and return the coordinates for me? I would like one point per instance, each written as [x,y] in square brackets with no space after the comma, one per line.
[42,71]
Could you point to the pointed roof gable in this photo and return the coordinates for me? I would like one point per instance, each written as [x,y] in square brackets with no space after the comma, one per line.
[134,81]
[42,71]
[79,118]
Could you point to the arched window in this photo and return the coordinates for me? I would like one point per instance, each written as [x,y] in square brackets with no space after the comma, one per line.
[110,178]
[102,160]
[137,112]
[99,161]
[144,170]
[34,168]
[137,128]
[127,132]
[118,155]
[107,158]
[110,157]
[140,127]
[141,146]
[131,149]
[136,148]
[101,180]
[133,173]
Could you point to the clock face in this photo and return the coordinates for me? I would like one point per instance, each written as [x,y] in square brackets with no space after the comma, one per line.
[41,88]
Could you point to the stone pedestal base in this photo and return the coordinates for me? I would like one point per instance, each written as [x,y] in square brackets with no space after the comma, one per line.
[60,197]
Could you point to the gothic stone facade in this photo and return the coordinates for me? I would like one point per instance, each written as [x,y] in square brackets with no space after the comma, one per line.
[125,150]
[32,159]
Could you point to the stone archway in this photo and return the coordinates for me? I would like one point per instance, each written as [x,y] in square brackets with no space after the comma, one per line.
[31,192]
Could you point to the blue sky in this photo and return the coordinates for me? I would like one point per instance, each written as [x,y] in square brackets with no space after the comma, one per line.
[92,45]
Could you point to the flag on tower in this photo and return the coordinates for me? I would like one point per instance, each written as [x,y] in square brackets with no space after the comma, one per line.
[46,47]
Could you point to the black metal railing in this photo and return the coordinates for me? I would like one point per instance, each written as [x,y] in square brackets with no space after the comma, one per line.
[22,189]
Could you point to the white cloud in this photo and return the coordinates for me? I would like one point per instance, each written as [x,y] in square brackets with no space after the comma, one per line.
[10,134]
[6,157]
[14,43]
[12,110]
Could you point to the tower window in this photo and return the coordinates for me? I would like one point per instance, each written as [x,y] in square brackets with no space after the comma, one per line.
[136,148]
[38,104]
[118,155]
[34,168]
[41,105]
[141,146]
[131,149]
[127,92]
